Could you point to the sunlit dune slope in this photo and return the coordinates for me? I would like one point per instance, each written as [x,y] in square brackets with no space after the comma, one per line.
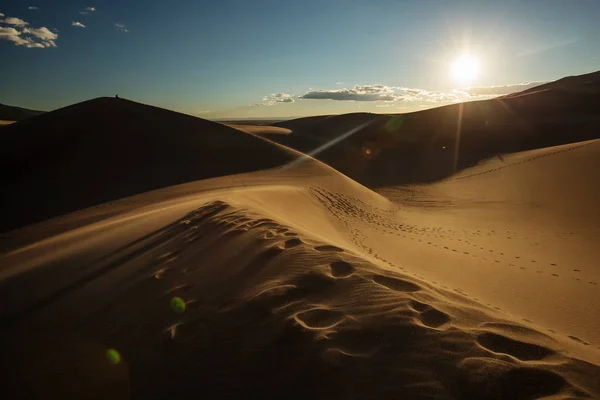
[260,129]
[520,233]
[290,283]
[107,148]
[433,144]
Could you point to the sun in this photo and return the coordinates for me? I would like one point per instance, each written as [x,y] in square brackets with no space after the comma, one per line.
[466,68]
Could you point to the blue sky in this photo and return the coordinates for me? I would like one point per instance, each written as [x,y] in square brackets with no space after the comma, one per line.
[233,58]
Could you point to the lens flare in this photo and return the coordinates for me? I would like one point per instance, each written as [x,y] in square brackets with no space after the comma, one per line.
[178,305]
[113,356]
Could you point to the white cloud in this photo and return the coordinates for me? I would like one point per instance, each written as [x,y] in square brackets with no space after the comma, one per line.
[358,93]
[276,98]
[392,94]
[33,8]
[42,33]
[87,10]
[14,21]
[20,35]
[121,27]
[12,35]
[78,24]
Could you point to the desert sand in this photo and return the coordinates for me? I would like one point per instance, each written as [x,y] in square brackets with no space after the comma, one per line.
[261,130]
[263,272]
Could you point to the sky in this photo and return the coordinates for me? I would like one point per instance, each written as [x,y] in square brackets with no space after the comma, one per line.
[253,58]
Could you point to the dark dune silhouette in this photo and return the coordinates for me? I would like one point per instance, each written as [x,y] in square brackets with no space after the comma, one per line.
[107,148]
[12,113]
[586,83]
[433,144]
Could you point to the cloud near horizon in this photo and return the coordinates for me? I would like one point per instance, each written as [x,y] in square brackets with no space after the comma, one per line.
[384,93]
[33,8]
[276,98]
[78,24]
[21,35]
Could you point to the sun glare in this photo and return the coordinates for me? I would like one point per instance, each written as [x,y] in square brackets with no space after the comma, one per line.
[465,69]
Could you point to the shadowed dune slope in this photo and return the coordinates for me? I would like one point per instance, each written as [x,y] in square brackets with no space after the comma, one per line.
[433,144]
[106,148]
[12,113]
[586,83]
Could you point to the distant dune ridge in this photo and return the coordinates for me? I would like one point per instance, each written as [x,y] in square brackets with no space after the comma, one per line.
[107,148]
[405,264]
[433,144]
[12,113]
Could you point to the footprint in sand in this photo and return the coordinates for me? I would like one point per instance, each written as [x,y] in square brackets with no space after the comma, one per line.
[269,234]
[434,318]
[329,248]
[516,348]
[418,306]
[576,339]
[529,383]
[288,244]
[341,269]
[319,318]
[395,284]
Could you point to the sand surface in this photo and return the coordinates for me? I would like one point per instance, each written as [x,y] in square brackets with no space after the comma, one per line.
[261,130]
[297,281]
[311,286]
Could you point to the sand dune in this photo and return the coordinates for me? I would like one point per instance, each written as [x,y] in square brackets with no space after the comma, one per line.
[582,84]
[11,113]
[433,144]
[277,276]
[283,292]
[111,148]
[260,129]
